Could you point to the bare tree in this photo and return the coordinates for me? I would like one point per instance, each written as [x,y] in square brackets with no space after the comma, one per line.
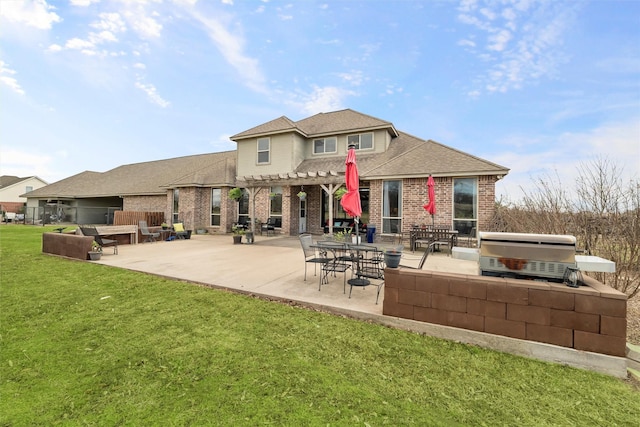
[604,216]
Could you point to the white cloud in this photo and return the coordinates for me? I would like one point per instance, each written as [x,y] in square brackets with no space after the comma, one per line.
[467,43]
[144,25]
[25,163]
[535,157]
[324,99]
[7,80]
[108,26]
[112,22]
[83,3]
[355,77]
[523,37]
[231,46]
[498,41]
[152,93]
[36,13]
[78,44]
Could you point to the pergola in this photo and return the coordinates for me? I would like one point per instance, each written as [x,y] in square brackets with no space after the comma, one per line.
[329,181]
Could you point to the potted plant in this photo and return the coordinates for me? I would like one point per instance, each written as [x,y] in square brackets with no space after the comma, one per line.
[302,195]
[392,256]
[339,193]
[238,232]
[235,193]
[96,251]
[164,225]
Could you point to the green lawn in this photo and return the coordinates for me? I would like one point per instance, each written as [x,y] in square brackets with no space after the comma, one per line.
[86,344]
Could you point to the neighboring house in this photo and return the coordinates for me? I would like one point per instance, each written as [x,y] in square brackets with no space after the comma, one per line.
[12,189]
[276,160]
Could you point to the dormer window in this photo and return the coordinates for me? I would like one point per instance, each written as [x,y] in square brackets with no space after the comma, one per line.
[325,145]
[264,150]
[362,141]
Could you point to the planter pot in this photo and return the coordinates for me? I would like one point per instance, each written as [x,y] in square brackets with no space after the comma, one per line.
[188,235]
[95,256]
[356,240]
[237,239]
[392,259]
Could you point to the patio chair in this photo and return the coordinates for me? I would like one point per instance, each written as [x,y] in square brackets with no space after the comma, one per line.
[268,226]
[150,236]
[180,232]
[90,230]
[310,254]
[369,268]
[428,249]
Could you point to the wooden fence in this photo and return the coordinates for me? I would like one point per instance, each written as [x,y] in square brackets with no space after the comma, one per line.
[154,219]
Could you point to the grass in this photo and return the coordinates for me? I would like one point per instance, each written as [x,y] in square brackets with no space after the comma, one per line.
[87,344]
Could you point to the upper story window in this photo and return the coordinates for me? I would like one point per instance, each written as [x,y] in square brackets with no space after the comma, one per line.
[28,188]
[264,150]
[363,141]
[325,145]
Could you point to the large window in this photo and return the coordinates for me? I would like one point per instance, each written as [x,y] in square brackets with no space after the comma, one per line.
[325,145]
[243,207]
[216,203]
[392,207]
[363,141]
[264,150]
[338,212]
[176,205]
[275,208]
[465,204]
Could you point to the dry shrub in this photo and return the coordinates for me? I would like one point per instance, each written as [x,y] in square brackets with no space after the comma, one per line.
[602,212]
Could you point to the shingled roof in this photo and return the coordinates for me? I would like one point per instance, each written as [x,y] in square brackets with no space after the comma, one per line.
[408,156]
[147,178]
[319,124]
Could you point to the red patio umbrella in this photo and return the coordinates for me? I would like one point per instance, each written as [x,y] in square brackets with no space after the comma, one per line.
[351,200]
[431,206]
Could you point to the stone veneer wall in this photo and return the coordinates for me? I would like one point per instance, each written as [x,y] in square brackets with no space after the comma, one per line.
[590,318]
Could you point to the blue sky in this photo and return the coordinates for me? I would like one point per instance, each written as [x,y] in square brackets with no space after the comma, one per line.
[537,86]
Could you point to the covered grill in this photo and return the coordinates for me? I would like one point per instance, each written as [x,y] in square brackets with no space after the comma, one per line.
[532,256]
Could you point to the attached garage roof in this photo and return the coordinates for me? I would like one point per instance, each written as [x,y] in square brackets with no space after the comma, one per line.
[147,178]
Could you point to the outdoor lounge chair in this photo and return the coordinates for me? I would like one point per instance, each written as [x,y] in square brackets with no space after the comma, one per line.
[90,230]
[150,236]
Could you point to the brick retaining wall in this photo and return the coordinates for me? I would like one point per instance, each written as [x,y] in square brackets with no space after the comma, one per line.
[590,318]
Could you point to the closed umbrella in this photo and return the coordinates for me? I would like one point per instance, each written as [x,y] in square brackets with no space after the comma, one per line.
[351,200]
[431,206]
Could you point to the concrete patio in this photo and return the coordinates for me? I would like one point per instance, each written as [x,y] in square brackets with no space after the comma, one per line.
[273,268]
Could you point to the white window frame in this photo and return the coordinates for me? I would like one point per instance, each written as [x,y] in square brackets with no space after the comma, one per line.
[472,220]
[324,145]
[357,138]
[391,217]
[216,201]
[260,151]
